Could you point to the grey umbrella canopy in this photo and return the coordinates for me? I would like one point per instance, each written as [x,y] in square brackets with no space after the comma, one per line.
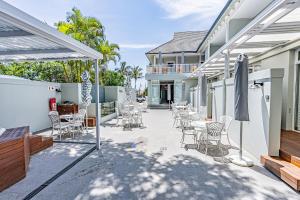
[203,90]
[241,112]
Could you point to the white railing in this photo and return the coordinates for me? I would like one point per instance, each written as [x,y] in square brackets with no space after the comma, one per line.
[173,68]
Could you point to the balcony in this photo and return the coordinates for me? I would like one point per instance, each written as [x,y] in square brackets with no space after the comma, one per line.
[171,69]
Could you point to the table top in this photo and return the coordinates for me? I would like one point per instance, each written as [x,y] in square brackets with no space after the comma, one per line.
[180,107]
[65,116]
[199,124]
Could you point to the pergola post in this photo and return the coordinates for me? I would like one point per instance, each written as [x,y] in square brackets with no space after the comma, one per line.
[98,108]
[226,76]
[198,92]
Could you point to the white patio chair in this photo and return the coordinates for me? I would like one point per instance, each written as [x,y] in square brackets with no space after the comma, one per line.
[138,118]
[127,119]
[175,116]
[83,112]
[186,128]
[61,127]
[213,135]
[77,123]
[226,120]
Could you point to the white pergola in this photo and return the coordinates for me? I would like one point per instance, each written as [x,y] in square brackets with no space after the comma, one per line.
[25,38]
[278,25]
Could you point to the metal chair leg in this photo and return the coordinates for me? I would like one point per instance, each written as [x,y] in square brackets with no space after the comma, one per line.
[228,138]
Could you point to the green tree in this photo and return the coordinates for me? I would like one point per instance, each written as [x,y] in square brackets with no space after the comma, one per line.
[112,78]
[89,31]
[124,68]
[136,73]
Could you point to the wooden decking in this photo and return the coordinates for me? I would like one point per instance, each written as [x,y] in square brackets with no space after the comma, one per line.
[287,165]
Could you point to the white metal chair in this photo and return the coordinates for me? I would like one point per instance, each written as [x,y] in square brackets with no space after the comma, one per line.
[126,119]
[186,128]
[77,123]
[226,120]
[83,112]
[213,134]
[61,127]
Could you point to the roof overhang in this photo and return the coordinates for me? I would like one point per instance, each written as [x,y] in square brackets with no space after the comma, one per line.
[276,26]
[23,38]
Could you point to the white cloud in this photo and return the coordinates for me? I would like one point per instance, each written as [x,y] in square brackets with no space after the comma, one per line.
[200,8]
[137,46]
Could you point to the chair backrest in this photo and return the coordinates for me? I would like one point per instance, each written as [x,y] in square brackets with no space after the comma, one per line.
[78,117]
[226,120]
[82,112]
[214,129]
[54,117]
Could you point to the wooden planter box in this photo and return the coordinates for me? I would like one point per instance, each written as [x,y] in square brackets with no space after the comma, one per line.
[14,156]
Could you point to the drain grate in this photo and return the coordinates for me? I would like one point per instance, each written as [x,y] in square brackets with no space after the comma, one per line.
[56,176]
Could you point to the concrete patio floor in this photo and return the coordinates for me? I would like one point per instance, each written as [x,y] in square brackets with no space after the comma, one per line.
[150,163]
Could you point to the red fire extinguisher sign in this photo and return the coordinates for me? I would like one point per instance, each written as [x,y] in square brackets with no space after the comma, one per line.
[52,104]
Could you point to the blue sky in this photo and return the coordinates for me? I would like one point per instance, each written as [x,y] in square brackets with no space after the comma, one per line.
[136,25]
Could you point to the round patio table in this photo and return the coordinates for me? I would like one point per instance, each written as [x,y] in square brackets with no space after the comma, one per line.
[180,107]
[67,117]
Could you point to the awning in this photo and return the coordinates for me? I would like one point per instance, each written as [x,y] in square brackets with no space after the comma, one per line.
[23,37]
[278,25]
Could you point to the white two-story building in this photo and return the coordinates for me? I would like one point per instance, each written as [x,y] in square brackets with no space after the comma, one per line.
[171,64]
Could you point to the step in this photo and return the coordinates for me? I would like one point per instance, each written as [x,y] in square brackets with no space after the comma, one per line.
[295,160]
[162,106]
[285,170]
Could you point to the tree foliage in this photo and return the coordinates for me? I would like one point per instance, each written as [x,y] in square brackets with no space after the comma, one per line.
[136,73]
[111,78]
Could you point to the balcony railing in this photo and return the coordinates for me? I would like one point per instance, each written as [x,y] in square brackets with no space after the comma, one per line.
[173,68]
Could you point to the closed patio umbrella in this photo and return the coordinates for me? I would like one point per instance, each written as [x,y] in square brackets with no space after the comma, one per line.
[86,94]
[241,112]
[203,90]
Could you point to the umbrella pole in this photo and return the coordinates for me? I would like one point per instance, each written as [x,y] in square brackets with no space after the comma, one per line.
[241,160]
[86,120]
[241,141]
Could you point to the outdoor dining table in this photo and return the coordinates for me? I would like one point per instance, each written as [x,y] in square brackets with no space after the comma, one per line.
[67,117]
[200,127]
[181,107]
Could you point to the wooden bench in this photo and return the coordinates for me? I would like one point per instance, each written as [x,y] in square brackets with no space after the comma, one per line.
[14,156]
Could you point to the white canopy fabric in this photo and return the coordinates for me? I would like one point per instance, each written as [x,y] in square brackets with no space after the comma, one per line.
[23,37]
[277,25]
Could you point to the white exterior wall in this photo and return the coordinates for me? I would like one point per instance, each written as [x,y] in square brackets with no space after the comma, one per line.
[71,92]
[261,135]
[286,61]
[26,103]
[114,93]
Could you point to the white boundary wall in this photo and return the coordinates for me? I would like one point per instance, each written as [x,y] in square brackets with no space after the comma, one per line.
[261,135]
[26,103]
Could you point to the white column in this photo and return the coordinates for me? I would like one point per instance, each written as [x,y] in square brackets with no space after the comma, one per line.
[154,60]
[226,68]
[98,108]
[198,93]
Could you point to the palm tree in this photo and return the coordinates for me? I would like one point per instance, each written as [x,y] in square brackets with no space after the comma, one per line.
[124,68]
[89,31]
[136,73]
[109,52]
